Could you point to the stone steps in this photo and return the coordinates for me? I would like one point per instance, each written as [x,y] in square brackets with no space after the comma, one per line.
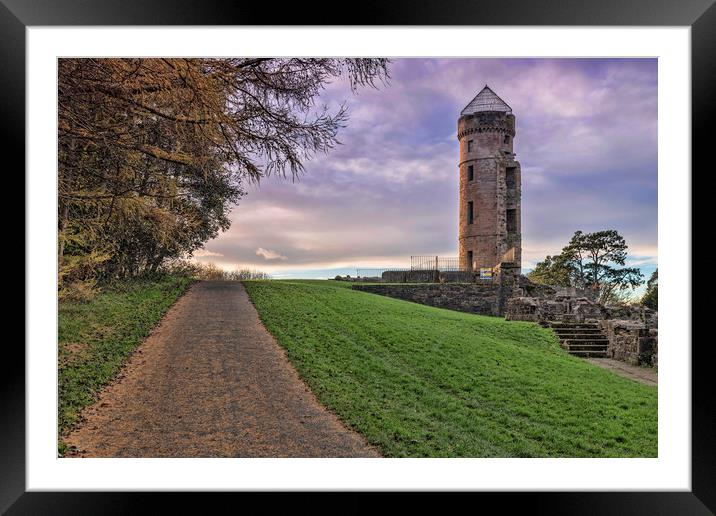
[579,346]
[569,326]
[589,354]
[580,339]
[586,342]
[577,330]
[573,333]
[581,336]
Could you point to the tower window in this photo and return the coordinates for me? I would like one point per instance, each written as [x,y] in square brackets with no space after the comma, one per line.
[470,173]
[469,212]
[470,145]
[511,221]
[510,177]
[469,260]
[507,138]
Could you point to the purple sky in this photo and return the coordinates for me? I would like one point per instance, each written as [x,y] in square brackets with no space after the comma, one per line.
[586,139]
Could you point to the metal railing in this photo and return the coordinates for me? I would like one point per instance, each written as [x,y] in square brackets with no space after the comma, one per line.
[435,263]
[431,263]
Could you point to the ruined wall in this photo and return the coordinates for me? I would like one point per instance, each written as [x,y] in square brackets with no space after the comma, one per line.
[570,308]
[507,282]
[631,341]
[632,331]
[529,289]
[558,308]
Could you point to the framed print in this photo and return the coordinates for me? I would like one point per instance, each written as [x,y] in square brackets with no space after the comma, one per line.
[415,250]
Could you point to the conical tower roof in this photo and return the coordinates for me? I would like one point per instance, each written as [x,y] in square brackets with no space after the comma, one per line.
[486,100]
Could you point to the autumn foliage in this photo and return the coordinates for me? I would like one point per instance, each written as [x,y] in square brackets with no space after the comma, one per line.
[153,153]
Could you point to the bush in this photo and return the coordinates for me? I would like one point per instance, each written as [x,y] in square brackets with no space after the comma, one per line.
[245,274]
[79,290]
[209,272]
[212,272]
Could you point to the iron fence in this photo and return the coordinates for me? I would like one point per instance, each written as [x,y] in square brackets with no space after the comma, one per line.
[435,263]
[417,263]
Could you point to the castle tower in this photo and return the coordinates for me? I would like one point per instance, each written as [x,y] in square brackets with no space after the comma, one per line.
[490,230]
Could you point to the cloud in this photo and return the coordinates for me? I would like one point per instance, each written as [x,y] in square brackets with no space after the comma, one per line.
[268,254]
[203,253]
[586,139]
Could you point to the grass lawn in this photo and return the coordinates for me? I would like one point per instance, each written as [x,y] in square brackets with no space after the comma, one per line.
[419,381]
[96,337]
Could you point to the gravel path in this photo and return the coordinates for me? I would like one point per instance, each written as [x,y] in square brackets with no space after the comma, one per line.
[645,375]
[212,382]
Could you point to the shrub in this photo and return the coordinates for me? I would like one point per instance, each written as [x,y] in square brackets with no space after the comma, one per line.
[245,274]
[212,272]
[209,272]
[79,290]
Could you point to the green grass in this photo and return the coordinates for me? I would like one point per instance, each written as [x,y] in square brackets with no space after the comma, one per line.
[419,381]
[96,337]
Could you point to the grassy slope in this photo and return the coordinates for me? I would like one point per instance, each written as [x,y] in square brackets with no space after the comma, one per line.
[421,381]
[95,338]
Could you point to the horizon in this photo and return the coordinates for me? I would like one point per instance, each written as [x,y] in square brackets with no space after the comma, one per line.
[586,138]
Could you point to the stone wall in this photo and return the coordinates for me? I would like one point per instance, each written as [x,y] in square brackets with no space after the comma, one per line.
[458,277]
[631,341]
[526,288]
[507,282]
[459,290]
[574,309]
[411,276]
[632,331]
[633,313]
[477,298]
[558,308]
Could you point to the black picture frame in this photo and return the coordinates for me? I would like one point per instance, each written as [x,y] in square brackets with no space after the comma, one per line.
[700,15]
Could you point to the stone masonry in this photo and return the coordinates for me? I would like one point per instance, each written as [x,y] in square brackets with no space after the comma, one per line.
[631,332]
[490,185]
[461,291]
[631,341]
[475,298]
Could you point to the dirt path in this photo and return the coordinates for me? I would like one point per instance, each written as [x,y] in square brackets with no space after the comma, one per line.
[640,374]
[212,382]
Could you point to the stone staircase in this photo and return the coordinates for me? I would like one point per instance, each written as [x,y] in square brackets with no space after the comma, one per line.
[580,339]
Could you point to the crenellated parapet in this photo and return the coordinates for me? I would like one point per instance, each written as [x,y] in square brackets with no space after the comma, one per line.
[486,123]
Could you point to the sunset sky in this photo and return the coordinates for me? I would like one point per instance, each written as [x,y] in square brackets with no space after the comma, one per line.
[586,139]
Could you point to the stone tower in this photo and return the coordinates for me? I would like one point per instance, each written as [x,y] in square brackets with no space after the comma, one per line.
[490,230]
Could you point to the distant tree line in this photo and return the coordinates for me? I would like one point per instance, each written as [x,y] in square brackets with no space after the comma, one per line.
[154,153]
